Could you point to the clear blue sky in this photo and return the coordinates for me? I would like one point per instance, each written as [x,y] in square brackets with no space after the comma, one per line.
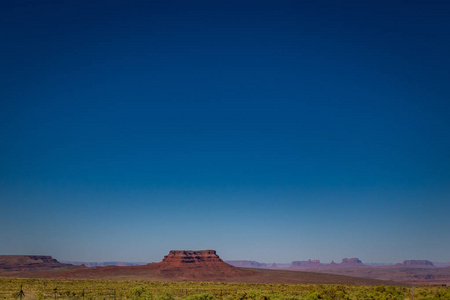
[267,130]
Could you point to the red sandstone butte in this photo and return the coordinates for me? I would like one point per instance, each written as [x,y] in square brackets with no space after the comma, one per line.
[197,264]
[180,258]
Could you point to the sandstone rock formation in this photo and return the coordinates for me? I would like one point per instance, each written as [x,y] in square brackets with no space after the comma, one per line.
[191,258]
[306,264]
[29,262]
[207,266]
[351,261]
[348,263]
[416,263]
[197,264]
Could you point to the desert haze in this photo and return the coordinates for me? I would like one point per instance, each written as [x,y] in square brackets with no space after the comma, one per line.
[206,265]
[178,265]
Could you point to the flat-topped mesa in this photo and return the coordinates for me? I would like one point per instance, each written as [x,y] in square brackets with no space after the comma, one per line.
[416,263]
[306,264]
[44,260]
[191,258]
[29,262]
[351,261]
[197,265]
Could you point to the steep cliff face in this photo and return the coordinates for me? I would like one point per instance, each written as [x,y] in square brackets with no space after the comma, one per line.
[199,264]
[29,262]
[179,258]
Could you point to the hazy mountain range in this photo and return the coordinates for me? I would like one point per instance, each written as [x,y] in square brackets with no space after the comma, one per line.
[292,265]
[104,263]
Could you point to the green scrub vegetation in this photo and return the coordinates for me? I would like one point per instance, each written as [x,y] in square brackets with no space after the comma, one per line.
[40,289]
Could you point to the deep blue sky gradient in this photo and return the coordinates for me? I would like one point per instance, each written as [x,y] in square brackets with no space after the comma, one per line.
[267,130]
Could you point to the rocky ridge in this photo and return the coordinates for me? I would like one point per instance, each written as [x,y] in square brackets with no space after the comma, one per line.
[29,262]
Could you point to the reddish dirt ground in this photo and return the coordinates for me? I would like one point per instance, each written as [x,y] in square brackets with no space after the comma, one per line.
[190,266]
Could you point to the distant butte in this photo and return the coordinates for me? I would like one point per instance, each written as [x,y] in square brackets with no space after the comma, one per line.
[30,263]
[416,264]
[315,264]
[306,264]
[193,265]
[351,262]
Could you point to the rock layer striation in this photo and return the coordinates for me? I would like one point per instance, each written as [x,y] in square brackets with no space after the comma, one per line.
[198,264]
[178,258]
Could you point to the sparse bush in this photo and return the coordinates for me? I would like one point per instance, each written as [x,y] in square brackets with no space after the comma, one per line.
[39,295]
[43,289]
[312,296]
[204,296]
[140,292]
[164,296]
